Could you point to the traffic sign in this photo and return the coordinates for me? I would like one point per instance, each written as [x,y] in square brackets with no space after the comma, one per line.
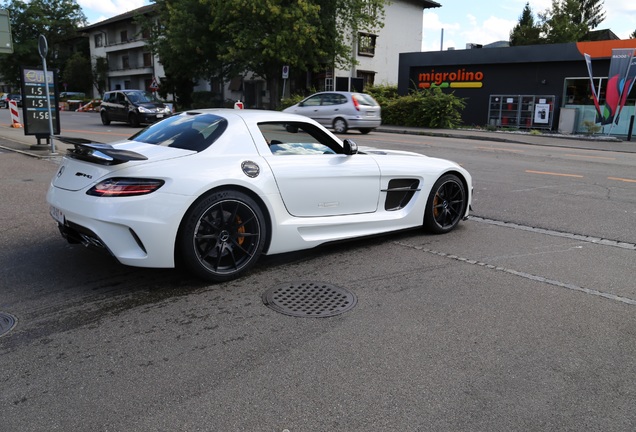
[153,85]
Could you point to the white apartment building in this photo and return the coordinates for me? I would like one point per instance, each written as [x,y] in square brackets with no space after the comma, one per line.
[119,39]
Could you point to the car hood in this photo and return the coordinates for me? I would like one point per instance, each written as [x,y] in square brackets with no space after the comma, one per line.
[87,163]
[151,105]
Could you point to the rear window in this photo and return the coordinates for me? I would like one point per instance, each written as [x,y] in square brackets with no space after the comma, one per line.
[188,131]
[365,99]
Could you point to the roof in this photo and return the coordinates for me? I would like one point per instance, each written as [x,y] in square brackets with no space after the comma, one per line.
[122,17]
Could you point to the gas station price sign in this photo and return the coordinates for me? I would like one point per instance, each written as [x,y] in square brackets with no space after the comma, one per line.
[35,111]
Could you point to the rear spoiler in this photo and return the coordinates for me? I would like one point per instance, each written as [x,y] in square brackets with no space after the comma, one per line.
[99,153]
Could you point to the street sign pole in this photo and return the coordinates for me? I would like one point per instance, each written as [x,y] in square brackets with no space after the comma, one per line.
[43,49]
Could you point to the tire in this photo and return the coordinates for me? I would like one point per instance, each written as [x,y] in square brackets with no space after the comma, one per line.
[446,204]
[340,125]
[222,236]
[105,119]
[133,120]
[365,131]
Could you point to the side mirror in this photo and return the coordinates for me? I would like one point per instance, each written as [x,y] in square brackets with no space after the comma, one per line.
[350,147]
[291,128]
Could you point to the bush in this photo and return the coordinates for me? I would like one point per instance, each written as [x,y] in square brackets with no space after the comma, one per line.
[591,127]
[292,100]
[430,108]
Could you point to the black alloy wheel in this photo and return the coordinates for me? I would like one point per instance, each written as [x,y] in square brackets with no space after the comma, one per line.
[446,204]
[222,236]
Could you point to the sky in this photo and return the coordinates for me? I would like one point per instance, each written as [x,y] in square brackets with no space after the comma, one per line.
[486,21]
[463,21]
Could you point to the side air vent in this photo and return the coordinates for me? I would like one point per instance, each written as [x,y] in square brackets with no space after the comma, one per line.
[399,193]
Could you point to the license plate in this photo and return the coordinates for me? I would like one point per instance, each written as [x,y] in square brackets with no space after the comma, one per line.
[370,113]
[57,214]
[159,115]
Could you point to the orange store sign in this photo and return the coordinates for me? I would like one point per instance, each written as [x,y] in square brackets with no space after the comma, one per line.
[457,79]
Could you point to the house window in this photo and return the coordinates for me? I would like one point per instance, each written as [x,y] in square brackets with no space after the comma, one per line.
[147,59]
[99,40]
[125,62]
[123,36]
[368,77]
[366,44]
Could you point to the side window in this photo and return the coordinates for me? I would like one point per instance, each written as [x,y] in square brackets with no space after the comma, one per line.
[120,98]
[297,139]
[339,99]
[330,99]
[312,101]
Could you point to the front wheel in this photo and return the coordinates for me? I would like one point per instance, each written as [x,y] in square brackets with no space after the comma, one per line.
[446,204]
[340,125]
[105,119]
[222,236]
[133,120]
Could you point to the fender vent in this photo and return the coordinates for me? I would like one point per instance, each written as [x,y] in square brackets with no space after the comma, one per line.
[399,193]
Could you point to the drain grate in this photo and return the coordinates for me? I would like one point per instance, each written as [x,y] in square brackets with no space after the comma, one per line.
[309,299]
[7,322]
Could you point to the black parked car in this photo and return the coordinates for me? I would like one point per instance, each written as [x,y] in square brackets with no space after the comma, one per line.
[133,107]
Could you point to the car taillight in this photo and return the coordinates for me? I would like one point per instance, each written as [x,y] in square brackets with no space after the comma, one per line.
[120,187]
[356,105]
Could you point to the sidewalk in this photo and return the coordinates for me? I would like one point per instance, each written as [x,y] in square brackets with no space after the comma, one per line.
[13,139]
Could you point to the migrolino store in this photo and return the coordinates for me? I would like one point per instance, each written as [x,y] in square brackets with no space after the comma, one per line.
[525,87]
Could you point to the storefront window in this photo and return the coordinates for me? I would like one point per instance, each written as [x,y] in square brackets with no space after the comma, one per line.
[578,95]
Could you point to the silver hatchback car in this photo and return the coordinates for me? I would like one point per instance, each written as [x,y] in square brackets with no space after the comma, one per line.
[341,110]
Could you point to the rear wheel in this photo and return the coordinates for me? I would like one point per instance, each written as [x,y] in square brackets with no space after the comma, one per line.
[340,125]
[222,236]
[105,119]
[446,204]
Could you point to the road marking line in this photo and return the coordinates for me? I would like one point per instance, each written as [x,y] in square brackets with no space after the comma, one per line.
[529,276]
[622,179]
[499,149]
[590,157]
[554,174]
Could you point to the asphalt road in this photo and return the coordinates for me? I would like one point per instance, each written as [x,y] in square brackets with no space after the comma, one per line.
[521,319]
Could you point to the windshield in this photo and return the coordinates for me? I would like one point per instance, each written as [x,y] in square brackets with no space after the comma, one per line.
[141,97]
[189,131]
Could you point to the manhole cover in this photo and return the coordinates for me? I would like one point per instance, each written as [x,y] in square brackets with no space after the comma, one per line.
[6,323]
[309,299]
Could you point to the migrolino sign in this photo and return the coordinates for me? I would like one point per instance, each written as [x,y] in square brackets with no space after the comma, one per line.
[461,78]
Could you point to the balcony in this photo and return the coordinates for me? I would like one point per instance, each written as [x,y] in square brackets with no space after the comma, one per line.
[131,43]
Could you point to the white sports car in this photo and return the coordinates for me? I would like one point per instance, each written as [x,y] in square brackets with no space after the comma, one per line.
[214,189]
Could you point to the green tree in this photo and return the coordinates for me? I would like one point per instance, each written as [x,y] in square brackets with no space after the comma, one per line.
[57,20]
[100,74]
[186,43]
[571,20]
[526,32]
[591,13]
[221,38]
[633,35]
[78,74]
[559,24]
